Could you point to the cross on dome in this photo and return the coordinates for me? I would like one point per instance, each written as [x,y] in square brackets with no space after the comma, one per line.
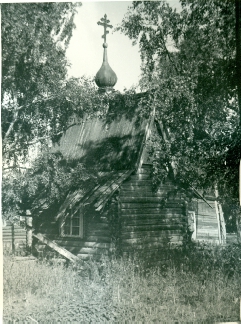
[105,78]
[104,22]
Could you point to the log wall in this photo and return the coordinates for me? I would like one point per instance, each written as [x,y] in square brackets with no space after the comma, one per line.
[96,241]
[149,220]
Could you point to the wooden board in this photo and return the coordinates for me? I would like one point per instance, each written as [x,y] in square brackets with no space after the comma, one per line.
[150,205]
[155,221]
[55,247]
[140,211]
[139,228]
[145,234]
[175,237]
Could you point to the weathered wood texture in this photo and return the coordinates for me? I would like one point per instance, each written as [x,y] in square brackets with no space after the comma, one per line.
[96,241]
[208,226]
[67,254]
[149,220]
[14,237]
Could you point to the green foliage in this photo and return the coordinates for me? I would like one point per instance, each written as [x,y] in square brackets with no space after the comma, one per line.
[48,181]
[34,40]
[49,177]
[188,68]
[121,290]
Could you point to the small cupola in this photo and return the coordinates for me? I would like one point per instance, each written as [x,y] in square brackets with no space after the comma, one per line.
[105,77]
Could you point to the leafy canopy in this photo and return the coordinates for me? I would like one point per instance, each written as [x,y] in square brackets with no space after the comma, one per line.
[34,40]
[188,66]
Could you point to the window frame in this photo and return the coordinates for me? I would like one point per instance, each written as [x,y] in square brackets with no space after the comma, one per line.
[72,215]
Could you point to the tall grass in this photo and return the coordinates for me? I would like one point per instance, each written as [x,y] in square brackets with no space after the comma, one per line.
[199,284]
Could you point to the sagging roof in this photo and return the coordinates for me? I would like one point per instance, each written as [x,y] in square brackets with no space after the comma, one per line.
[113,142]
[98,196]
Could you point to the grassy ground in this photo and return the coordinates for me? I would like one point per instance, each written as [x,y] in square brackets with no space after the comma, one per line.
[196,286]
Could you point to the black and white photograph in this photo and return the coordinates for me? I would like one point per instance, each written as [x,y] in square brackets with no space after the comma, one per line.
[121,161]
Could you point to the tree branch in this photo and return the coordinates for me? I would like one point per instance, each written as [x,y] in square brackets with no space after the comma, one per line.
[17,109]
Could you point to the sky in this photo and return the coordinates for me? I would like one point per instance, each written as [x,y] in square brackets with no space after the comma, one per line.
[85,52]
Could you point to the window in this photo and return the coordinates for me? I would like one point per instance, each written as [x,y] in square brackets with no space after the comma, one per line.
[72,225]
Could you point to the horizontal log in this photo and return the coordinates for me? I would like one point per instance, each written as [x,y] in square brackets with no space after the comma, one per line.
[69,243]
[146,234]
[98,238]
[161,215]
[140,184]
[98,226]
[148,245]
[207,230]
[207,226]
[207,233]
[139,228]
[99,232]
[148,194]
[97,245]
[206,218]
[82,244]
[141,193]
[206,238]
[149,240]
[152,211]
[157,222]
[150,205]
[130,199]
[206,209]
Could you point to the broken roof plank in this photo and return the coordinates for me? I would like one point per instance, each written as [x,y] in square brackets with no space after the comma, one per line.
[102,189]
[70,200]
[93,194]
[104,198]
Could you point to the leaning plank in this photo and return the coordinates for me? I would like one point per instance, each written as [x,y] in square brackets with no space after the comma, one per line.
[68,255]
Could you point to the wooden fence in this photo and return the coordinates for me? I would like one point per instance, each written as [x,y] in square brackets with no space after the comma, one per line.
[14,237]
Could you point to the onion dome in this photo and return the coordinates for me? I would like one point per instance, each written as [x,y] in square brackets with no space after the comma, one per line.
[105,77]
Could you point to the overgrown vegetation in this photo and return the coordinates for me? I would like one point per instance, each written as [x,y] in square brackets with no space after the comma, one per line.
[191,66]
[199,284]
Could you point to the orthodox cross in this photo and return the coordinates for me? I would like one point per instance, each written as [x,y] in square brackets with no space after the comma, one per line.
[104,23]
